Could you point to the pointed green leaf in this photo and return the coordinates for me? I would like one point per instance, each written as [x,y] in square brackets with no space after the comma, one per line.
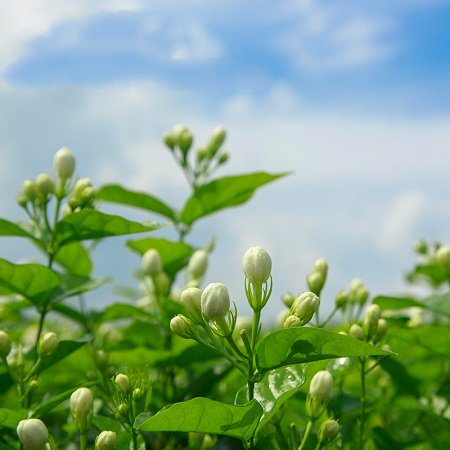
[10,418]
[92,224]
[300,345]
[118,194]
[33,281]
[72,285]
[8,228]
[64,349]
[202,415]
[276,387]
[75,259]
[224,193]
[174,255]
[71,313]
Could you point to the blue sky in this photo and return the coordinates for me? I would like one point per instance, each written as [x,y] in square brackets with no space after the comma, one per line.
[353,96]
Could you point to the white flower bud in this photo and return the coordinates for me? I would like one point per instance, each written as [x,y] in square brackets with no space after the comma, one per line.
[328,431]
[381,330]
[215,301]
[106,440]
[80,185]
[170,140]
[321,266]
[191,298]
[48,344]
[257,264]
[122,382]
[64,163]
[44,184]
[198,263]
[315,282]
[181,326]
[341,299]
[288,299]
[218,135]
[5,344]
[81,402]
[291,322]
[29,189]
[371,317]
[151,262]
[356,332]
[321,385]
[443,255]
[305,306]
[32,434]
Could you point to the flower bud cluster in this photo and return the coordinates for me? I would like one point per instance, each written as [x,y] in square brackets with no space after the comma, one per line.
[302,310]
[82,196]
[316,279]
[374,326]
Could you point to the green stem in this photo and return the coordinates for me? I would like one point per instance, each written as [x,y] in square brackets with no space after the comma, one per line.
[255,328]
[329,317]
[235,348]
[83,440]
[306,435]
[363,403]
[318,446]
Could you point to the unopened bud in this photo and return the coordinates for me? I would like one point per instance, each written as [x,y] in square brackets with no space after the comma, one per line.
[341,299]
[371,317]
[223,158]
[181,326]
[442,256]
[80,185]
[106,440]
[321,385]
[151,262]
[356,332]
[328,431]
[29,190]
[44,184]
[101,359]
[170,140]
[215,301]
[321,265]
[287,299]
[257,264]
[138,393]
[315,282]
[198,264]
[81,404]
[305,306]
[48,344]
[185,141]
[32,434]
[381,330]
[64,163]
[191,298]
[421,247]
[123,409]
[218,135]
[291,322]
[122,382]
[5,344]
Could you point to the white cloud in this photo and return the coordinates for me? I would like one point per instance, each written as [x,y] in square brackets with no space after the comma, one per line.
[22,21]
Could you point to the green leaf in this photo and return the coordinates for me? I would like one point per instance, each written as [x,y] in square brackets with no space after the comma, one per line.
[8,228]
[92,224]
[202,415]
[224,193]
[124,311]
[64,349]
[75,259]
[174,255]
[299,345]
[276,387]
[404,382]
[118,194]
[71,313]
[389,302]
[33,281]
[73,285]
[10,418]
[438,303]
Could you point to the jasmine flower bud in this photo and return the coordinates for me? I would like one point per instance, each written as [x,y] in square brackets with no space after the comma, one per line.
[191,298]
[356,332]
[257,264]
[81,404]
[198,264]
[151,263]
[181,326]
[321,386]
[315,282]
[170,140]
[305,306]
[29,190]
[106,440]
[48,344]
[291,322]
[321,266]
[328,431]
[64,163]
[341,299]
[381,330]
[44,185]
[122,382]
[443,256]
[5,344]
[371,317]
[288,299]
[218,135]
[215,301]
[32,434]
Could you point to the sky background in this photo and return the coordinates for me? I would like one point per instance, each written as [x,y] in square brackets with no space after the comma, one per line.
[352,96]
